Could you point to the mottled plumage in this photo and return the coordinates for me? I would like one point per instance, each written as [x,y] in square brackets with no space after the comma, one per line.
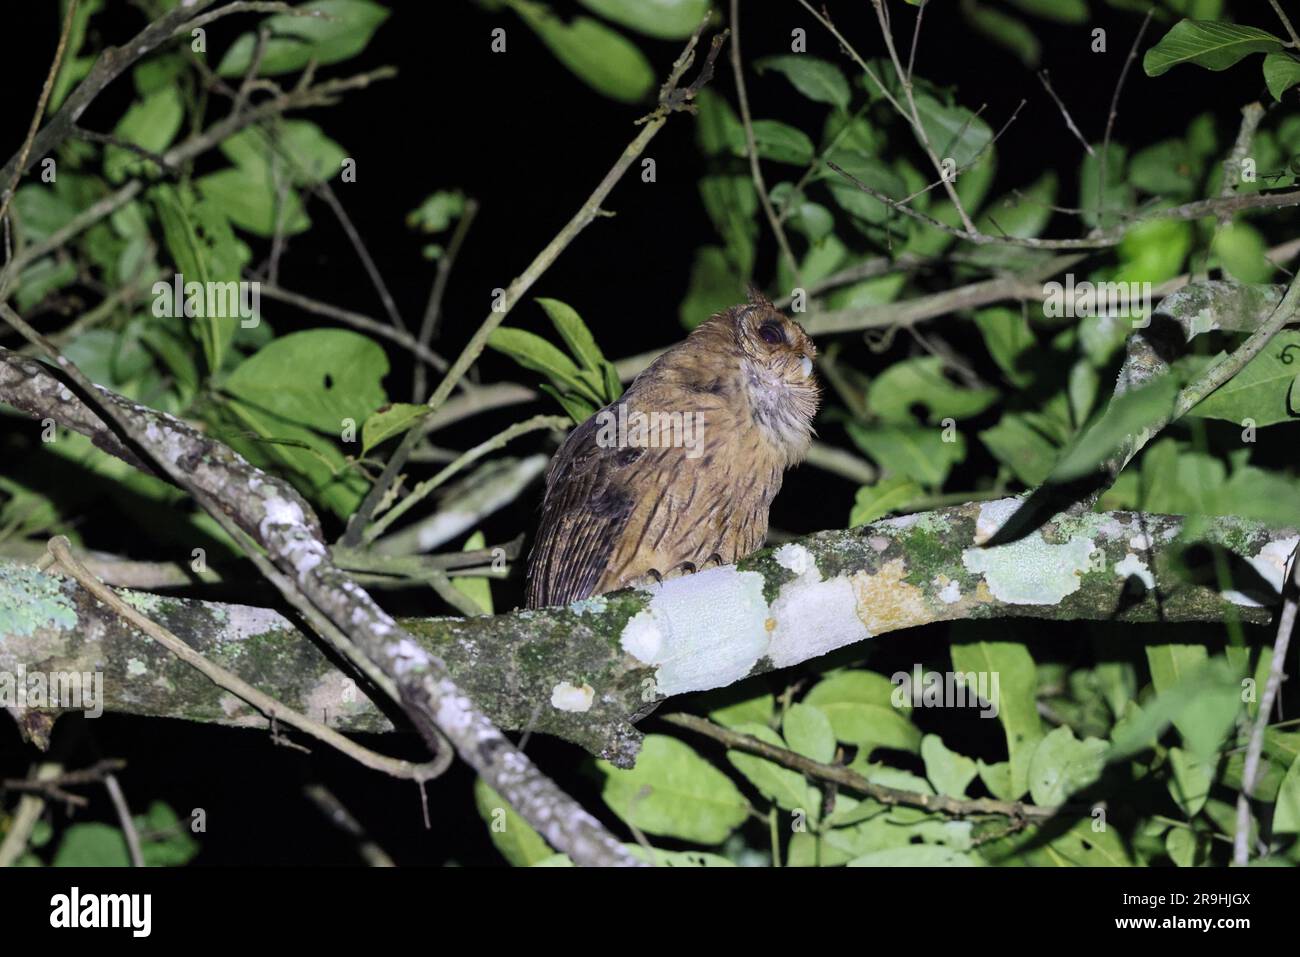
[626,507]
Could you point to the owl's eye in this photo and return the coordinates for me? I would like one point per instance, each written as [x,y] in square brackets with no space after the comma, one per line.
[771,333]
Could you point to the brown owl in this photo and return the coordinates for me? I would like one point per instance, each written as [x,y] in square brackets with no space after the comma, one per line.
[678,474]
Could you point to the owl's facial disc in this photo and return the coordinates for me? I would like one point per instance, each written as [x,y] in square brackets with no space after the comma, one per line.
[778,367]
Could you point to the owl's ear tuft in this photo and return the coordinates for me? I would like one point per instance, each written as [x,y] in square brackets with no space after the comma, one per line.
[756,296]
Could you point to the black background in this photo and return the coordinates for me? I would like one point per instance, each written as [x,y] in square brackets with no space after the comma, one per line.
[530,141]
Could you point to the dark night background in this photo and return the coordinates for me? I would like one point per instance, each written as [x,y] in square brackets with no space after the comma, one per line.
[530,141]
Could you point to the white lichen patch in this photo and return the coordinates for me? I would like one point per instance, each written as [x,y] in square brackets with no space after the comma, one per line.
[1030,571]
[1270,562]
[1141,542]
[993,515]
[813,617]
[247,621]
[700,631]
[569,697]
[595,605]
[334,694]
[1130,564]
[948,590]
[794,557]
[135,667]
[142,601]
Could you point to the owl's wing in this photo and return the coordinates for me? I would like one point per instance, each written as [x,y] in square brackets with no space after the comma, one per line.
[586,509]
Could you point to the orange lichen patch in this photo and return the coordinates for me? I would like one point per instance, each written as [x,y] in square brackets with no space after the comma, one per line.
[982,593]
[886,603]
[770,624]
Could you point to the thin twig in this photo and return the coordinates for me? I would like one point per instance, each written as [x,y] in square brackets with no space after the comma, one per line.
[108,139]
[357,321]
[341,817]
[421,491]
[433,308]
[751,148]
[35,125]
[1255,747]
[1060,104]
[1114,112]
[1286,22]
[917,126]
[124,818]
[847,778]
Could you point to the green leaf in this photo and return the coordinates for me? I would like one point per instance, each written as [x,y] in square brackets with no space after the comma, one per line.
[1191,782]
[296,40]
[1062,11]
[778,142]
[808,731]
[673,792]
[954,132]
[1213,45]
[781,785]
[151,123]
[1062,765]
[664,19]
[1009,339]
[514,838]
[1127,415]
[388,421]
[815,78]
[1205,725]
[1203,700]
[1022,214]
[1020,447]
[318,378]
[1016,699]
[533,352]
[717,128]
[1243,253]
[1007,31]
[918,452]
[309,156]
[205,250]
[478,588]
[731,202]
[1263,391]
[1286,813]
[756,710]
[920,382]
[312,462]
[1281,72]
[950,773]
[574,332]
[861,709]
[1165,169]
[438,211]
[878,500]
[916,855]
[602,58]
[252,200]
[577,408]
[92,845]
[870,172]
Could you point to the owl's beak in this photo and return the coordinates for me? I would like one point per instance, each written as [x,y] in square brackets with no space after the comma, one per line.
[806,364]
